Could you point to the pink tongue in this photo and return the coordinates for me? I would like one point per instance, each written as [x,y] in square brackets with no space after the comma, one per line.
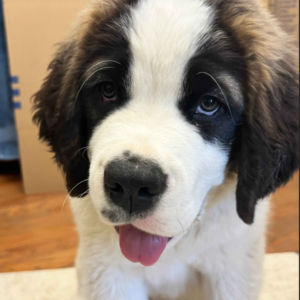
[139,246]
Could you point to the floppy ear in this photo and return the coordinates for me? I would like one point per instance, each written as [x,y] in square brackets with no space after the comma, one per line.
[59,118]
[266,150]
[269,145]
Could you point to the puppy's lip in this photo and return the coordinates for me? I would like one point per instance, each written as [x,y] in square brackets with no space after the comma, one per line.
[117,228]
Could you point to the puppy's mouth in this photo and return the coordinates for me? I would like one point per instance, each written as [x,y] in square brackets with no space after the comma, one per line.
[139,246]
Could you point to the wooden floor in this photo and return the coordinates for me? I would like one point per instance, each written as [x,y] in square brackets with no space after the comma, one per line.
[36,233]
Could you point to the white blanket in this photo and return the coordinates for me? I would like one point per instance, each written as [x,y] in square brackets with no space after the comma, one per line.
[281,282]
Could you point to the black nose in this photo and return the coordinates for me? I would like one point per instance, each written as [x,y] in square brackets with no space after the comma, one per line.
[135,184]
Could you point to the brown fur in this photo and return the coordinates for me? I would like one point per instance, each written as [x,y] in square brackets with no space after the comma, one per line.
[265,152]
[269,146]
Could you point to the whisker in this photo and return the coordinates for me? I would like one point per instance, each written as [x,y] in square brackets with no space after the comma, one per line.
[84,148]
[86,207]
[71,192]
[84,194]
[99,63]
[81,87]
[79,202]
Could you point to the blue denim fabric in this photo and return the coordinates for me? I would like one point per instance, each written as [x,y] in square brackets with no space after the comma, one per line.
[8,135]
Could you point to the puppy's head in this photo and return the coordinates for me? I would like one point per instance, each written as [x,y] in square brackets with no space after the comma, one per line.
[150,103]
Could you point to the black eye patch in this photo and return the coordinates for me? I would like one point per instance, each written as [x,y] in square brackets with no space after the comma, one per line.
[95,107]
[207,106]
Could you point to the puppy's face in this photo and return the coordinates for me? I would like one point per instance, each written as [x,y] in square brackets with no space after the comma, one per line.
[165,139]
[166,96]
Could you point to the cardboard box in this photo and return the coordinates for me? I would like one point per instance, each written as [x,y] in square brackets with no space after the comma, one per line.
[33,27]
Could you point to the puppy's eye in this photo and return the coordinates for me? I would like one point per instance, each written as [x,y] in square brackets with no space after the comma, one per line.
[109,91]
[209,105]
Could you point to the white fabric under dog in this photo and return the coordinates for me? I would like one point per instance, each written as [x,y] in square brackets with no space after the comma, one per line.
[281,281]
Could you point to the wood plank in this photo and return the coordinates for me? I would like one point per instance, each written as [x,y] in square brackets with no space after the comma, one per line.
[36,233]
[283,233]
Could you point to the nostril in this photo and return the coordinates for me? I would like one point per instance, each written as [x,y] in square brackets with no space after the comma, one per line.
[145,194]
[116,188]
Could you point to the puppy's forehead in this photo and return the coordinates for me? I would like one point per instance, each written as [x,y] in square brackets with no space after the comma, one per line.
[163,37]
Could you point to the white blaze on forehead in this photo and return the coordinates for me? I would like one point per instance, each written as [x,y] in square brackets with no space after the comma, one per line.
[164,35]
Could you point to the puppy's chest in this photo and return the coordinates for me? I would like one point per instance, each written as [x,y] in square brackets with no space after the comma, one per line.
[173,274]
[169,280]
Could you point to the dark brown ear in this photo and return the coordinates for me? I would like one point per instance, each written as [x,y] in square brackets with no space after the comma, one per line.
[266,150]
[269,153]
[269,136]
[58,116]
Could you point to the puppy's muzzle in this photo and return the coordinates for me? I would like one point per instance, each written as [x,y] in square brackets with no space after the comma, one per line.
[134,184]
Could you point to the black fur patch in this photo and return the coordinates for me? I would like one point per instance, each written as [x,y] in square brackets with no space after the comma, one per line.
[217,57]
[66,119]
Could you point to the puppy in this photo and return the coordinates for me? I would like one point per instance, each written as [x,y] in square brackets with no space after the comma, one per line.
[171,120]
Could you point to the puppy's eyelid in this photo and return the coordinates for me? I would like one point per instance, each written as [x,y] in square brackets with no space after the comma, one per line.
[86,80]
[224,95]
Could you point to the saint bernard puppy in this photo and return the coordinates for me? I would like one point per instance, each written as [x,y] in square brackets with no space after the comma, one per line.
[173,122]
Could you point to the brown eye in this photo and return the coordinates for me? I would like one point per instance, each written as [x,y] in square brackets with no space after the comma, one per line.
[109,91]
[209,105]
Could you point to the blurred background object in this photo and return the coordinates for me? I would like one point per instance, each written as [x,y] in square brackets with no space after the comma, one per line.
[33,28]
[8,134]
[287,12]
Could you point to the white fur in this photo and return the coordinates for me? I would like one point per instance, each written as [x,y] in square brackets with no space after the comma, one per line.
[219,258]
[213,248]
[151,125]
